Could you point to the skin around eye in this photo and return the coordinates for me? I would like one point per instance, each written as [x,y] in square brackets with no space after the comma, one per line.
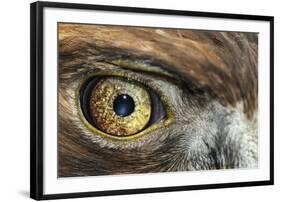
[119,107]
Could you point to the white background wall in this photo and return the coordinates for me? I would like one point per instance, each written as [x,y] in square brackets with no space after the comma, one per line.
[14,100]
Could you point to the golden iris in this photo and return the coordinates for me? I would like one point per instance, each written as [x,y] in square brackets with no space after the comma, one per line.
[119,107]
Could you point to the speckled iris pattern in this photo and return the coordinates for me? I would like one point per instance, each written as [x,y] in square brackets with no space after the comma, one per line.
[104,116]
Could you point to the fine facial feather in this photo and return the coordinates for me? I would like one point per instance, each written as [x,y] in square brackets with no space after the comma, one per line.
[215,125]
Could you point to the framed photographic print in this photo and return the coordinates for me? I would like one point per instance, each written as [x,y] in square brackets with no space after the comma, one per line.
[135,100]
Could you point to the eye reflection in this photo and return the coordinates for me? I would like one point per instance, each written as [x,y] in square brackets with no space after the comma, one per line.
[119,106]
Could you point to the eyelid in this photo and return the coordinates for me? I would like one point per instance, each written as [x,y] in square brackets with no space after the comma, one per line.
[122,73]
[130,75]
[161,69]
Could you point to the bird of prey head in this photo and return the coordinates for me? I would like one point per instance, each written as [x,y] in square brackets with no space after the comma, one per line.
[141,100]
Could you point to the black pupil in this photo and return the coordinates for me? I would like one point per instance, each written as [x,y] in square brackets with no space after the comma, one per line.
[123,105]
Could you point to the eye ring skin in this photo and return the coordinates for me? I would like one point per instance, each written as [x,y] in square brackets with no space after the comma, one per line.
[165,123]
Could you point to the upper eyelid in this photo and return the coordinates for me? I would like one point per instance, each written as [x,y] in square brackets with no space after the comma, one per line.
[142,77]
[145,67]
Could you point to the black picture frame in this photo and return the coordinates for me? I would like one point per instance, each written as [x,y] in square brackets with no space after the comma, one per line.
[36,99]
